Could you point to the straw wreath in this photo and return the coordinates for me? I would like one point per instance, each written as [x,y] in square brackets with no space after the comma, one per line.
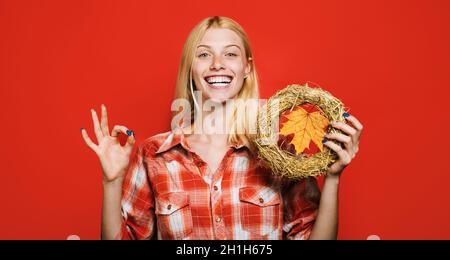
[282,162]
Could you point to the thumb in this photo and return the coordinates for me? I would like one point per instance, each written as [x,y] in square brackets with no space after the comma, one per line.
[131,140]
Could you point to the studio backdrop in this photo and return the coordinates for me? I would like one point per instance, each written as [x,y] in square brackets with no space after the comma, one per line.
[388,61]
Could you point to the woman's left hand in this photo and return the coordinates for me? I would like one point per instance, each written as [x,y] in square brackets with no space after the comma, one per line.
[350,140]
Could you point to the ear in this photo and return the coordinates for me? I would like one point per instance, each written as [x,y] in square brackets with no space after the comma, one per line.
[249,66]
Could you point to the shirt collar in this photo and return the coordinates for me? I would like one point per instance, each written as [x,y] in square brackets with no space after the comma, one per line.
[177,136]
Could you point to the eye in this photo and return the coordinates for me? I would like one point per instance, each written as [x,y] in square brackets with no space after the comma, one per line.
[203,55]
[231,54]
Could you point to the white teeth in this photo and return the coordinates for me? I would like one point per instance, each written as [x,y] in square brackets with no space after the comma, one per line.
[220,84]
[219,79]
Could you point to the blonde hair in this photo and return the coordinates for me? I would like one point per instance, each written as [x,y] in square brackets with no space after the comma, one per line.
[243,118]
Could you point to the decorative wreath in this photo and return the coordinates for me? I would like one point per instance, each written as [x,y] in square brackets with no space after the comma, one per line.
[305,114]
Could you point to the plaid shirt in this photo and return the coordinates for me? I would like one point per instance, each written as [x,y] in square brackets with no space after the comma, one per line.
[168,193]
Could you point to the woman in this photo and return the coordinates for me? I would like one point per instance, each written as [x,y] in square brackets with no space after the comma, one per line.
[197,182]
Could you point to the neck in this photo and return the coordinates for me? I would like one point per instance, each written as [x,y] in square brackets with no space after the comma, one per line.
[211,126]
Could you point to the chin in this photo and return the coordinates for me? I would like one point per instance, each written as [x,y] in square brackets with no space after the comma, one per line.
[219,96]
[216,98]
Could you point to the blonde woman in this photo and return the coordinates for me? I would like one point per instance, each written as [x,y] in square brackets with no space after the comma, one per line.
[202,180]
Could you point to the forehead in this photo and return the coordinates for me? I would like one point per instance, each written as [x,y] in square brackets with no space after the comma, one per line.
[220,37]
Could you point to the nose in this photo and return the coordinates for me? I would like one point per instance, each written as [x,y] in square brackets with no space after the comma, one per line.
[216,64]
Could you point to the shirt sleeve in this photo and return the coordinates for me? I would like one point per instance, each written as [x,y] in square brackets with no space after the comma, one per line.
[137,200]
[301,200]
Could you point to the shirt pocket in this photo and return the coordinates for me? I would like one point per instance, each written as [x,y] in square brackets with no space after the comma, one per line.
[174,215]
[259,210]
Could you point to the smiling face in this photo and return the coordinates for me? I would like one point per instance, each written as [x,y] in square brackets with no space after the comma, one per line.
[220,65]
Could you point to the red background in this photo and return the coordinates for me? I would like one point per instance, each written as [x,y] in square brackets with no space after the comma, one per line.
[388,61]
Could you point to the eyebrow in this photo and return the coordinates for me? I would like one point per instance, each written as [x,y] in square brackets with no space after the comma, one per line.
[209,47]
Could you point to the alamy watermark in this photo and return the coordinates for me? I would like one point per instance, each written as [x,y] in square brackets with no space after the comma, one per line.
[234,115]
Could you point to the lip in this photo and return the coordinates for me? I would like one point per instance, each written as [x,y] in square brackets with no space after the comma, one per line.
[218,75]
[219,88]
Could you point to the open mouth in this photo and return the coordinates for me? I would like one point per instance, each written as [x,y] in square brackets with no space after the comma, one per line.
[219,81]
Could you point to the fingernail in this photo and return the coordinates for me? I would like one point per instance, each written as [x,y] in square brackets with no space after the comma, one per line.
[81,129]
[129,132]
[346,114]
[324,141]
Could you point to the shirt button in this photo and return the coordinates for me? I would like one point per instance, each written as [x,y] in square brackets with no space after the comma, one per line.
[169,206]
[216,188]
[261,200]
[218,219]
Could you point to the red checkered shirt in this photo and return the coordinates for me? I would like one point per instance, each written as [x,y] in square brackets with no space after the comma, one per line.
[168,193]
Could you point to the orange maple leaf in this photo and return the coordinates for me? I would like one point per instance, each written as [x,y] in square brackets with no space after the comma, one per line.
[306,127]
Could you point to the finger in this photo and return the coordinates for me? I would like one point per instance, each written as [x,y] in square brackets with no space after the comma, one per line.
[104,121]
[130,142]
[339,137]
[355,122]
[88,141]
[342,153]
[344,127]
[97,129]
[118,129]
[122,129]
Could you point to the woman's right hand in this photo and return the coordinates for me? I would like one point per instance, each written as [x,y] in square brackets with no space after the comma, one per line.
[114,158]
